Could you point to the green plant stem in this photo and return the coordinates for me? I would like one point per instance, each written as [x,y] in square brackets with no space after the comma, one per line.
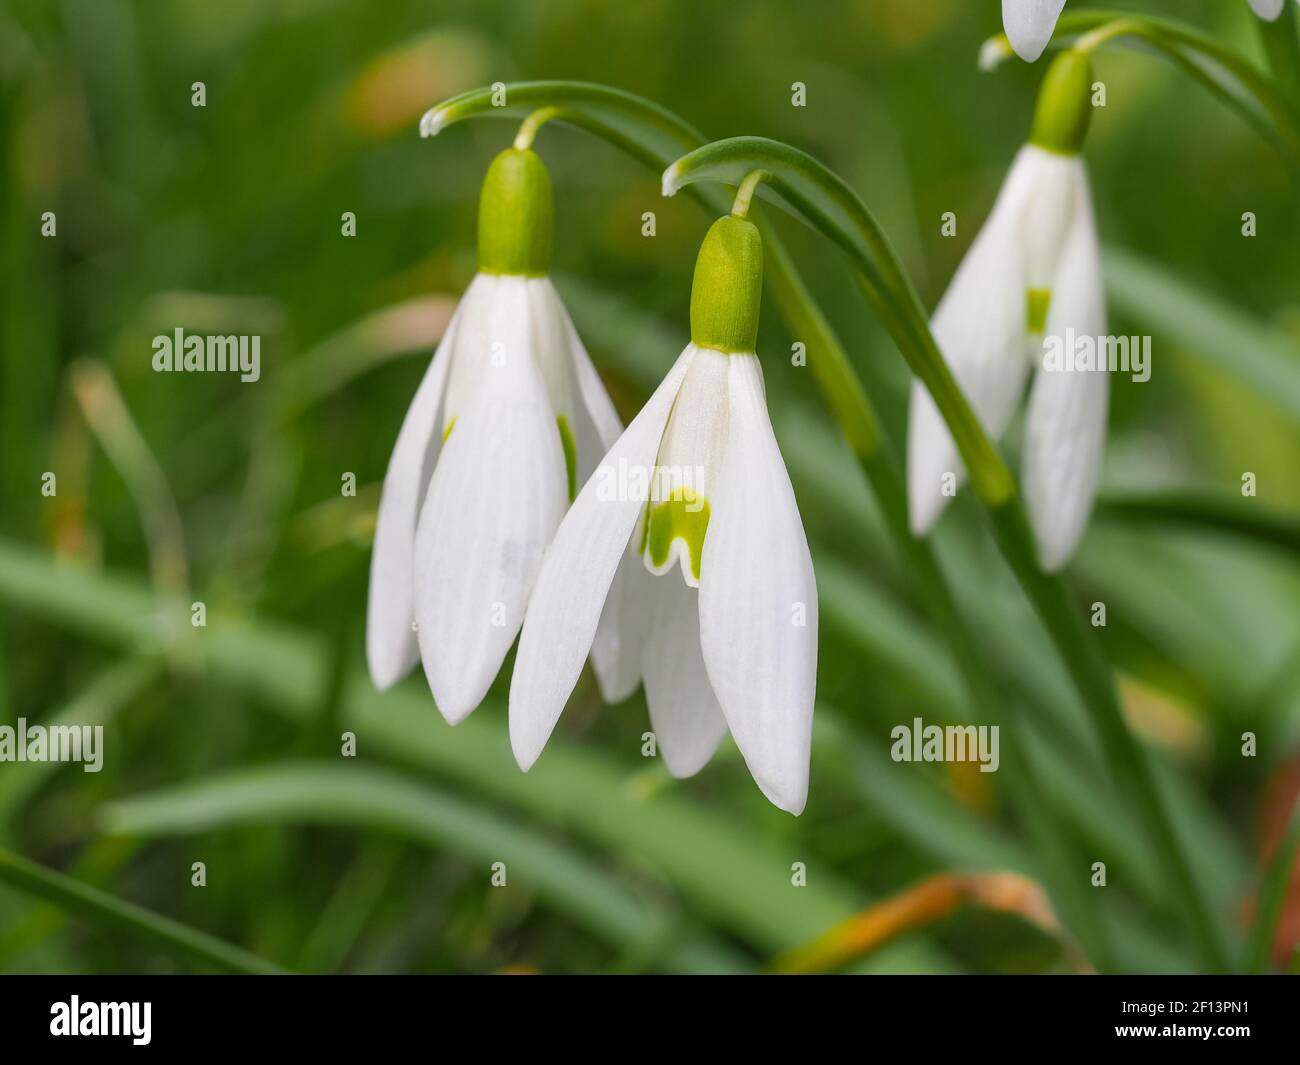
[839,384]
[745,194]
[105,909]
[1128,761]
[528,130]
[1062,881]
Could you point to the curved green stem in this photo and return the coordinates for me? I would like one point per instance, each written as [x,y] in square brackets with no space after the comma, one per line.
[745,194]
[1108,31]
[528,131]
[823,200]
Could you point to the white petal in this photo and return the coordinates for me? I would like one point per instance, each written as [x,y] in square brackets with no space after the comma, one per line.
[1065,431]
[624,622]
[1048,212]
[551,347]
[684,713]
[496,498]
[576,575]
[391,648]
[1029,25]
[756,587]
[474,342]
[1267,9]
[594,396]
[615,651]
[980,329]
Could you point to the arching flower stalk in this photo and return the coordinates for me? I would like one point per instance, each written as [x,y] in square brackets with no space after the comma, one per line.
[1033,275]
[508,420]
[688,536]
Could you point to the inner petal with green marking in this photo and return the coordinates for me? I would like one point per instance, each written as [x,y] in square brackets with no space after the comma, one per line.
[1038,301]
[674,532]
[690,456]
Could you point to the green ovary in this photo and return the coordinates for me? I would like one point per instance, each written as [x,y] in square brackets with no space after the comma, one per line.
[570,453]
[684,517]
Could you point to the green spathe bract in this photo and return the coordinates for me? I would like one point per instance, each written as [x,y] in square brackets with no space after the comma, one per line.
[516,216]
[728,287]
[1064,105]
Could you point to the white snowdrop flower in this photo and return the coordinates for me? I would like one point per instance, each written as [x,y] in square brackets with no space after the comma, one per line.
[1029,25]
[1268,9]
[509,417]
[688,540]
[1033,275]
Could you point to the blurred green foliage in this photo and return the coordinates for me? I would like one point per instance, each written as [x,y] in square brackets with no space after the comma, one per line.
[223,742]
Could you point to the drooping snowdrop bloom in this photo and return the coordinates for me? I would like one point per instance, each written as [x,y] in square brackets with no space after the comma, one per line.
[1029,290]
[1268,9]
[1029,25]
[508,417]
[688,543]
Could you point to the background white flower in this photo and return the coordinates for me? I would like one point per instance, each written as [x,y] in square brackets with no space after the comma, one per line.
[1268,9]
[1034,271]
[1029,25]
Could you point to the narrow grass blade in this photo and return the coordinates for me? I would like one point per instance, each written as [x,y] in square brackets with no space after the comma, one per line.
[97,704]
[106,910]
[1247,518]
[361,796]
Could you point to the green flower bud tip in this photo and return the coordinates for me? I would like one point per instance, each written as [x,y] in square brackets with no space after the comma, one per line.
[1064,105]
[728,287]
[516,216]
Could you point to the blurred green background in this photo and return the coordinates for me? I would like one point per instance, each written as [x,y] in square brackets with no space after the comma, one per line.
[223,742]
